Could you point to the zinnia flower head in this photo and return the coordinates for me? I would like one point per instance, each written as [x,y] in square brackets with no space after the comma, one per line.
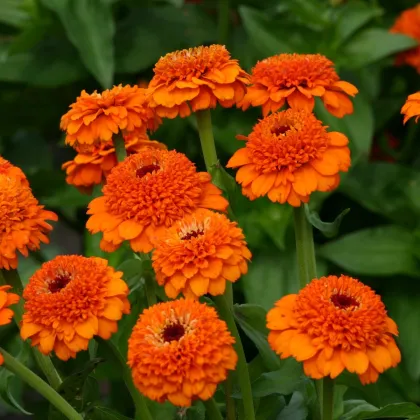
[298,79]
[198,254]
[93,164]
[146,194]
[179,351]
[411,108]
[69,300]
[198,77]
[6,168]
[6,314]
[408,23]
[23,223]
[288,156]
[332,324]
[97,117]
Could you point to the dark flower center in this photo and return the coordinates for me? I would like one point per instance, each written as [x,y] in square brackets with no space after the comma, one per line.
[343,301]
[280,129]
[173,332]
[60,282]
[193,234]
[147,169]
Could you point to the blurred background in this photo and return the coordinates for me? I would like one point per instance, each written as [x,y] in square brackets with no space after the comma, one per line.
[52,49]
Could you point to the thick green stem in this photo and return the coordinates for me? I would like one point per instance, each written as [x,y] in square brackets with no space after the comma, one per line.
[205,132]
[142,411]
[223,24]
[12,278]
[212,411]
[327,405]
[149,281]
[119,146]
[40,386]
[226,313]
[305,249]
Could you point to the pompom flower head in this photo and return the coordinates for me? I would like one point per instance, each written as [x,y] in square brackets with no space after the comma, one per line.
[146,194]
[93,164]
[71,299]
[335,323]
[97,117]
[297,79]
[288,156]
[6,168]
[6,314]
[198,77]
[411,108]
[198,254]
[22,220]
[408,23]
[179,351]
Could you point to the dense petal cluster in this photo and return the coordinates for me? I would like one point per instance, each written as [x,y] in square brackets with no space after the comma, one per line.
[6,314]
[179,351]
[93,164]
[408,23]
[411,108]
[198,77]
[23,223]
[198,254]
[69,300]
[288,156]
[97,117]
[298,79]
[12,171]
[332,324]
[146,194]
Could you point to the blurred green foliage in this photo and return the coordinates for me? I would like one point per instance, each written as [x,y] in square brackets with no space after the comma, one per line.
[52,49]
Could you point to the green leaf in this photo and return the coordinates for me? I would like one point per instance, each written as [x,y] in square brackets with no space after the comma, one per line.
[353,408]
[381,251]
[133,270]
[104,413]
[295,410]
[13,13]
[329,230]
[372,45]
[338,405]
[270,407]
[392,411]
[90,27]
[252,320]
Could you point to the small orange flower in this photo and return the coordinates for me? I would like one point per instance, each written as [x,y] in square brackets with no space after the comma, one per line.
[69,300]
[97,117]
[332,324]
[93,164]
[200,77]
[198,254]
[408,23]
[411,108]
[297,79]
[179,351]
[6,314]
[288,156]
[23,223]
[6,168]
[146,194]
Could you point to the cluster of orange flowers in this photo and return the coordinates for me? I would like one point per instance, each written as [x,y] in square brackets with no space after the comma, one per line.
[157,201]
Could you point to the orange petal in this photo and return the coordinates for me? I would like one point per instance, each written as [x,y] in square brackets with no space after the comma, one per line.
[217,286]
[310,368]
[246,174]
[305,180]
[130,229]
[28,330]
[199,285]
[231,272]
[380,358]
[338,139]
[239,158]
[346,87]
[88,328]
[301,347]
[279,319]
[299,101]
[261,185]
[355,361]
[106,328]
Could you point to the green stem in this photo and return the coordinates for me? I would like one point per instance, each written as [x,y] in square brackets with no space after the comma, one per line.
[223,24]
[150,283]
[142,411]
[205,132]
[305,249]
[327,399]
[12,278]
[227,314]
[40,386]
[212,411]
[119,146]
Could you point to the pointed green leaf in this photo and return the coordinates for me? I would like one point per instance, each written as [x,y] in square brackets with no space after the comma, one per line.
[328,229]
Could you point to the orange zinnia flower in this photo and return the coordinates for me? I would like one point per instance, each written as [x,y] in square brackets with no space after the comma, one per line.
[93,164]
[199,253]
[332,324]
[6,314]
[288,156]
[297,79]
[408,23]
[6,168]
[97,117]
[200,77]
[146,194]
[179,351]
[69,300]
[22,219]
[411,108]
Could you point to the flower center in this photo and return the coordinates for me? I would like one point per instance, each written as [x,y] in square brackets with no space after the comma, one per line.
[343,301]
[147,169]
[192,234]
[60,282]
[173,332]
[278,129]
